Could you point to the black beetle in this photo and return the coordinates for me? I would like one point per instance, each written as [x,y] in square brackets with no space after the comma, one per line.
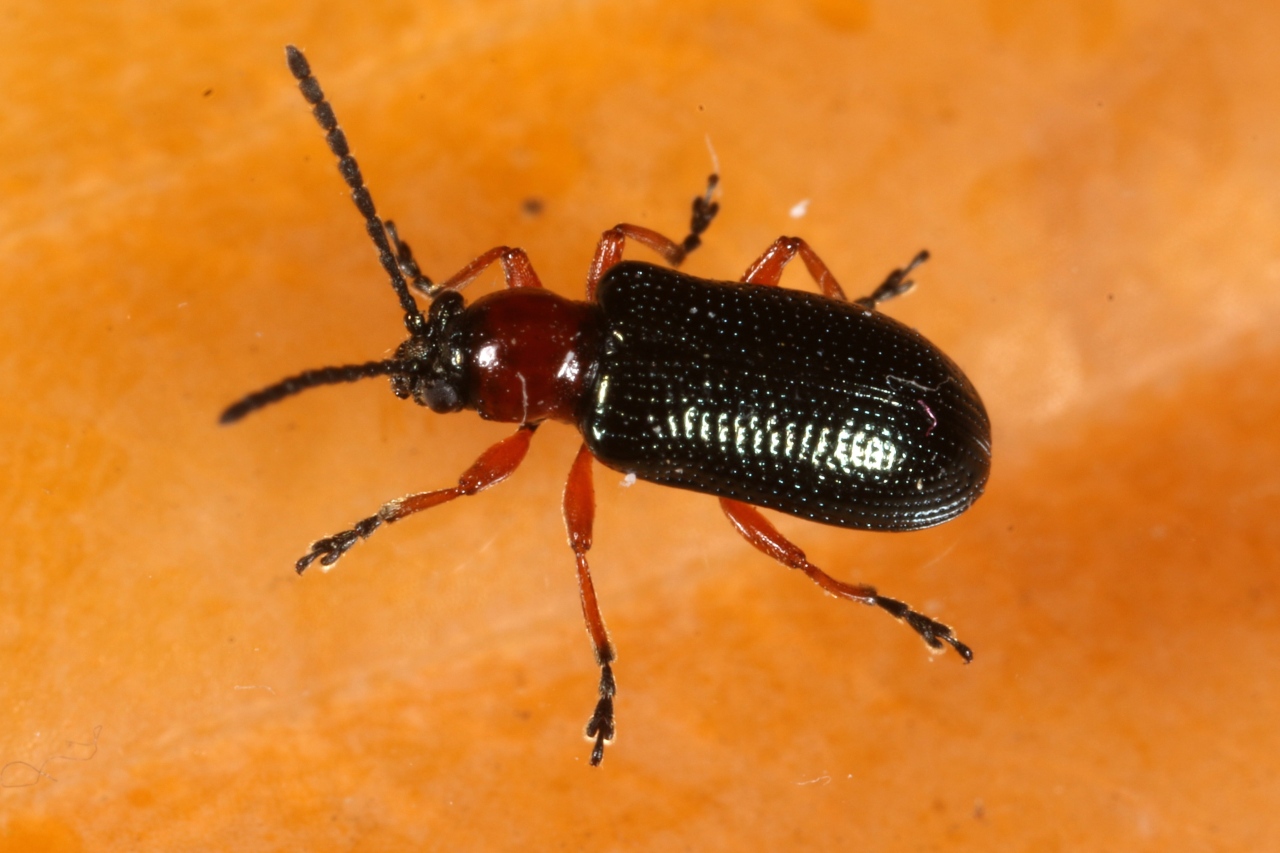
[810,404]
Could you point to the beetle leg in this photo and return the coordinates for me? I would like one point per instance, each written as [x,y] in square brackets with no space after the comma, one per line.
[757,530]
[494,465]
[579,516]
[609,249]
[896,283]
[517,271]
[768,267]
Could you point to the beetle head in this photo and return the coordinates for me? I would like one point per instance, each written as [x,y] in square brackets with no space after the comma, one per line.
[427,368]
[432,361]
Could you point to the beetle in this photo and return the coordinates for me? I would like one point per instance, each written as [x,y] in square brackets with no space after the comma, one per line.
[805,403]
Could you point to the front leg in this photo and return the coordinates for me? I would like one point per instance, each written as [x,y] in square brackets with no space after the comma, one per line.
[609,249]
[494,465]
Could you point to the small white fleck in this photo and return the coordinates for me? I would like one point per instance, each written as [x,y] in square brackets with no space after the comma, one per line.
[628,481]
[524,398]
[824,779]
[693,310]
[800,208]
[715,161]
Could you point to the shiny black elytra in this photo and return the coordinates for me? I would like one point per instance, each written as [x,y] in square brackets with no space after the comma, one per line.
[809,404]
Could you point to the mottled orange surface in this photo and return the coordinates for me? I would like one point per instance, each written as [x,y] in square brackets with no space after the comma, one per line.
[1100,186]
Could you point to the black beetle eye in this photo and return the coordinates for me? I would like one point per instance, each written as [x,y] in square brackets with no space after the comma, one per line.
[441,397]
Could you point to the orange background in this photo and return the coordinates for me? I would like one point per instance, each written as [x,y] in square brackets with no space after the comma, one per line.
[1099,183]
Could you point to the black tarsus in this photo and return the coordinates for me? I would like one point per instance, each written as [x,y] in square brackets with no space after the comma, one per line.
[934,632]
[331,548]
[408,264]
[601,727]
[895,284]
[704,210]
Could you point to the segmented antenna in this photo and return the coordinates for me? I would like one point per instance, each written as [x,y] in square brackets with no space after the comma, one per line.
[310,379]
[350,171]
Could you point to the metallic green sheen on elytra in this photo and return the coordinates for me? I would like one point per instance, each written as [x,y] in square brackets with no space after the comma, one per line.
[785,399]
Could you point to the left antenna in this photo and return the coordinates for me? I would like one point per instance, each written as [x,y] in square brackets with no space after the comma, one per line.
[350,171]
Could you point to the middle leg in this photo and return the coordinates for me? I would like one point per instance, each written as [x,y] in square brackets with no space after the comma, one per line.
[579,517]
